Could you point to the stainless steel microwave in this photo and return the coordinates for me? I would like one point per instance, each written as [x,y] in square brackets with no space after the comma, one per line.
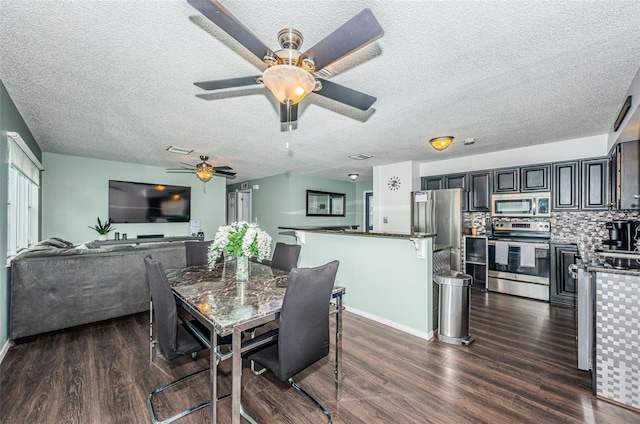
[521,204]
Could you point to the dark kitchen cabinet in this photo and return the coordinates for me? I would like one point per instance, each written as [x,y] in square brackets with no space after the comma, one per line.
[625,175]
[475,260]
[562,286]
[506,180]
[535,178]
[433,183]
[439,182]
[458,181]
[565,183]
[479,191]
[595,187]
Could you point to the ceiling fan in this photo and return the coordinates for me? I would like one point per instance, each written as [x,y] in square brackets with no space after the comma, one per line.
[291,74]
[203,170]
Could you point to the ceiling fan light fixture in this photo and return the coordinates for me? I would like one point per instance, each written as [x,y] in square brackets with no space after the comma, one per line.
[288,83]
[441,143]
[204,172]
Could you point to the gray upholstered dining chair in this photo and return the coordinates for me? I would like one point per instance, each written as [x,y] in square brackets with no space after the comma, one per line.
[196,252]
[303,334]
[177,335]
[285,256]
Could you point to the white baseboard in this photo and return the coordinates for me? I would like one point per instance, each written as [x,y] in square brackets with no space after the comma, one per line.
[392,324]
[5,349]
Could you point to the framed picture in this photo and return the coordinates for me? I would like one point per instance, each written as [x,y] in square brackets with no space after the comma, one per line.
[324,203]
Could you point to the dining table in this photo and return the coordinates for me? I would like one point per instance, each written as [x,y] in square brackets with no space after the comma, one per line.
[225,306]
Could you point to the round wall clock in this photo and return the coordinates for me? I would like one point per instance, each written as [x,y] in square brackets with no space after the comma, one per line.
[394,183]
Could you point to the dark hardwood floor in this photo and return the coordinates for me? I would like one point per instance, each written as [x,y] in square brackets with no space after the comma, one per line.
[520,369]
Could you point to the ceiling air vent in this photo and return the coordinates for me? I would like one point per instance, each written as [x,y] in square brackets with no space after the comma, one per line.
[361,156]
[179,150]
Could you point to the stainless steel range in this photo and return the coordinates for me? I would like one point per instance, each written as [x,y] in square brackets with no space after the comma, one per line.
[519,258]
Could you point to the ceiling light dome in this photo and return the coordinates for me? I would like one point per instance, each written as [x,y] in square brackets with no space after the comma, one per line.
[288,83]
[441,143]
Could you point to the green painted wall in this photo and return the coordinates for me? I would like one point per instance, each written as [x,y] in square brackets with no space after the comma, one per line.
[75,191]
[383,278]
[10,120]
[280,201]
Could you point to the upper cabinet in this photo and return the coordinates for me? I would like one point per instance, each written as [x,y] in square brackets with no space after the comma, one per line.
[581,185]
[458,181]
[439,182]
[480,191]
[594,181]
[535,178]
[566,181]
[625,175]
[433,183]
[506,180]
[524,179]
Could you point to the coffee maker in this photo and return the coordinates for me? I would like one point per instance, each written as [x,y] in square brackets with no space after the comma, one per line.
[622,235]
[623,238]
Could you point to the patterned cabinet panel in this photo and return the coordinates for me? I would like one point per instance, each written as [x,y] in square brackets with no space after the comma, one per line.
[617,342]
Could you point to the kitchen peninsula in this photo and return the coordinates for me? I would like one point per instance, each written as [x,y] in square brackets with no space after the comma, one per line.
[616,353]
[389,277]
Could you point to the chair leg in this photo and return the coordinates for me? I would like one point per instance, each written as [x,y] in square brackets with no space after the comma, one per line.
[253,369]
[314,400]
[246,416]
[201,405]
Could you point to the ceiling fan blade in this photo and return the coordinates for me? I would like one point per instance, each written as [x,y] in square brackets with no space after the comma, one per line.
[357,32]
[220,16]
[345,95]
[229,173]
[223,167]
[227,83]
[180,171]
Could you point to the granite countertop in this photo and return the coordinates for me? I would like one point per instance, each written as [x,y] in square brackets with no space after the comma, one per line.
[611,270]
[439,247]
[348,232]
[617,262]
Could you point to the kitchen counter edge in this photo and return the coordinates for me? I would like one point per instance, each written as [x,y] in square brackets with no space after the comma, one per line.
[345,232]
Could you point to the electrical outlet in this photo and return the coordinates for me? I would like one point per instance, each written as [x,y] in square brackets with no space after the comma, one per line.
[385,220]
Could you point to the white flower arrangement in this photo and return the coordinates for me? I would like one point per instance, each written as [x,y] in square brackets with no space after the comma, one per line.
[240,239]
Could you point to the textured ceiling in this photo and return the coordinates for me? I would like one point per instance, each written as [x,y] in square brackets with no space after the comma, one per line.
[114,80]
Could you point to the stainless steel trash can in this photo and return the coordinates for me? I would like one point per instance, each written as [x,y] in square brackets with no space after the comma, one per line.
[453,304]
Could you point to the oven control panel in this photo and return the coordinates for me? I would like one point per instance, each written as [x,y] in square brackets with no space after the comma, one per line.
[536,226]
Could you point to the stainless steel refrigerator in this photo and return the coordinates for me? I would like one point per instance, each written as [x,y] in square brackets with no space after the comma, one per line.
[439,212]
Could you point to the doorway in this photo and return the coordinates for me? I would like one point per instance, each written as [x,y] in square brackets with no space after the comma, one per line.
[368,211]
[239,206]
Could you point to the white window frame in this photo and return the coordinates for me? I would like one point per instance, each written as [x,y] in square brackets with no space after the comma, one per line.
[23,196]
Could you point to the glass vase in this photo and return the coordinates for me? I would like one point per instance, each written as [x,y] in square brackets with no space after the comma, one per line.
[242,268]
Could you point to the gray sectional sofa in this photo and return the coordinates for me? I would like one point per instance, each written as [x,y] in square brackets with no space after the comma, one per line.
[55,285]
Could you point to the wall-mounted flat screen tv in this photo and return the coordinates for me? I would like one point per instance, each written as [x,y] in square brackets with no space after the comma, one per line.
[141,202]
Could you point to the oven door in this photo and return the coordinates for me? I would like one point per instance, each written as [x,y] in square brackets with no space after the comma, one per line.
[513,269]
[514,278]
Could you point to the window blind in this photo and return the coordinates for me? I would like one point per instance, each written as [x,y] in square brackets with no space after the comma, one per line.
[22,158]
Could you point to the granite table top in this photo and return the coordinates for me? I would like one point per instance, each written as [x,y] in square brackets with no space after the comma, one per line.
[227,302]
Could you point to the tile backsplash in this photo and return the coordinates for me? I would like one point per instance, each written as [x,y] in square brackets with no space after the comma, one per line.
[567,227]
